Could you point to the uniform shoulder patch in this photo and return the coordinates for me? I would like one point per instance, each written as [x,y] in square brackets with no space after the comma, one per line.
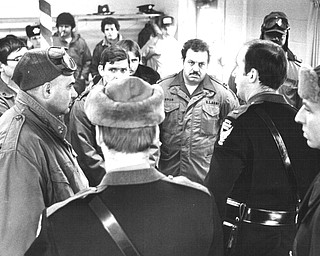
[81,194]
[184,181]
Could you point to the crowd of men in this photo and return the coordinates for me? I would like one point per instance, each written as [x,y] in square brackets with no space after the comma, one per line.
[133,162]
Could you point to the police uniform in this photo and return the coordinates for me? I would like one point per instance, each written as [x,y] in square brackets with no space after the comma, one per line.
[191,125]
[160,215]
[246,166]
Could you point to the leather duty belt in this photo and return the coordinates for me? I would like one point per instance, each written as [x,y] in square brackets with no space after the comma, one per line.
[237,211]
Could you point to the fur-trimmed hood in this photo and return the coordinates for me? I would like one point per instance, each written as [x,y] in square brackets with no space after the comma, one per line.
[308,87]
[125,103]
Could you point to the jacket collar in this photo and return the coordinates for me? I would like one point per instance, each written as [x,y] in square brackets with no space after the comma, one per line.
[137,176]
[206,83]
[267,96]
[57,126]
[5,90]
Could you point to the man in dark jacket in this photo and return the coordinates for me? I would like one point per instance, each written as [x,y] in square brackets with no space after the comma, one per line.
[308,235]
[37,165]
[110,28]
[263,186]
[77,48]
[160,215]
[11,51]
[136,68]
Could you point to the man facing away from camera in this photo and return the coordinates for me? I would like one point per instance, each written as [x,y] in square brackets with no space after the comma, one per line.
[151,214]
[261,166]
[37,165]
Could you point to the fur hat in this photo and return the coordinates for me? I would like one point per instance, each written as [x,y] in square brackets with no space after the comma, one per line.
[125,103]
[309,87]
[65,18]
[39,66]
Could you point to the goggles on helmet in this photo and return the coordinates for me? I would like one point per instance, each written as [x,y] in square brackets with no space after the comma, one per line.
[62,60]
[280,22]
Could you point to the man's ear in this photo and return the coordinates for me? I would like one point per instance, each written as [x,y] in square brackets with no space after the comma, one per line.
[101,70]
[47,90]
[253,75]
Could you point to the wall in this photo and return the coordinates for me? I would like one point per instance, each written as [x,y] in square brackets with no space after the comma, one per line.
[232,23]
[28,13]
[242,22]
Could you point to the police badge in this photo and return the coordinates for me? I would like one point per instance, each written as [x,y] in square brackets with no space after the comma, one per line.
[225,131]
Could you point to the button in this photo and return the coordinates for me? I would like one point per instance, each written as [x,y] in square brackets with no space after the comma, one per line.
[18,117]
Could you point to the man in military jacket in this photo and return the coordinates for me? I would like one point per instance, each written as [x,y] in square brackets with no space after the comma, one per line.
[37,165]
[195,105]
[160,215]
[247,174]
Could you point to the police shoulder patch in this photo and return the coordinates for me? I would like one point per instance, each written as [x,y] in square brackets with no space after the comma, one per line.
[184,181]
[81,194]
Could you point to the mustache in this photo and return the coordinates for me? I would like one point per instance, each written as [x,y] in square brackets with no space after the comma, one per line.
[195,73]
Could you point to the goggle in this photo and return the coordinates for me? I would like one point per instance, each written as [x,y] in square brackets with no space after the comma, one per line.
[280,22]
[62,60]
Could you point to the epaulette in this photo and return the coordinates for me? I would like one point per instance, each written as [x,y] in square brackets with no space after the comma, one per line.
[80,195]
[238,111]
[218,81]
[167,77]
[13,133]
[184,181]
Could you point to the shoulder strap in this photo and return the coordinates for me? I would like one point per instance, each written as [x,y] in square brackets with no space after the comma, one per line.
[282,150]
[112,226]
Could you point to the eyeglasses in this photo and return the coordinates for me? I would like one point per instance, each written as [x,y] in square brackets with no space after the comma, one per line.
[280,22]
[62,60]
[17,58]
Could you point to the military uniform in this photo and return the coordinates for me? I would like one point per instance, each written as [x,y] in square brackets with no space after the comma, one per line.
[7,96]
[37,169]
[191,125]
[246,166]
[160,215]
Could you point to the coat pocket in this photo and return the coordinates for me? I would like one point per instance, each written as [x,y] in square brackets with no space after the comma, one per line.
[210,119]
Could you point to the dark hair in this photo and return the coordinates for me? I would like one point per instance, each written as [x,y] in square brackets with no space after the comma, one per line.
[9,44]
[112,54]
[128,140]
[269,59]
[110,21]
[196,45]
[65,18]
[130,46]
